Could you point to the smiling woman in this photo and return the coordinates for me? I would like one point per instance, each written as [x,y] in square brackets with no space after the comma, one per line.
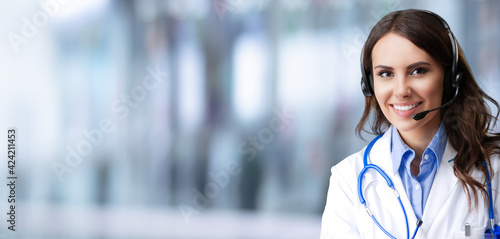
[433,127]
[407,80]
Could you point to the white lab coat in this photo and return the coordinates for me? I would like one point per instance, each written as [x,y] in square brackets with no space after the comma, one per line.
[444,215]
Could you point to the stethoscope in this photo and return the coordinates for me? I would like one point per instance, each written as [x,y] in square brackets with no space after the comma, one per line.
[493,232]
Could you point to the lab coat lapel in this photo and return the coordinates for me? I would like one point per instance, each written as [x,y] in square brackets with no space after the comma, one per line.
[381,156]
[444,183]
[381,153]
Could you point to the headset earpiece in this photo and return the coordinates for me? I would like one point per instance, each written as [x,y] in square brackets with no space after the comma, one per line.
[455,84]
[366,78]
[447,83]
[452,80]
[366,87]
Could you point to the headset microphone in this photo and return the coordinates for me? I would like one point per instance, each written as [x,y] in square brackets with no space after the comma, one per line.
[421,115]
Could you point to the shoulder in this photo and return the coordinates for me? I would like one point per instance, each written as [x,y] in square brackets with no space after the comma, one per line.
[350,165]
[347,170]
[345,174]
[354,162]
[350,161]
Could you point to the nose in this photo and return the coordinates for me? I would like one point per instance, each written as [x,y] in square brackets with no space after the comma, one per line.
[402,88]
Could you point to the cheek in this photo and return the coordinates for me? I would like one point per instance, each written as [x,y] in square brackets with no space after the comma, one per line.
[433,92]
[382,93]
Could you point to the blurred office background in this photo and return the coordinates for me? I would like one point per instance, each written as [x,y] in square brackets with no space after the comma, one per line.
[192,118]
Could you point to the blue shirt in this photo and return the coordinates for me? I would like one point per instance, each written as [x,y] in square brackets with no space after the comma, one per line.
[418,188]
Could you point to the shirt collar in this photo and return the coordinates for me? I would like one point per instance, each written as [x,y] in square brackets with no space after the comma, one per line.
[399,148]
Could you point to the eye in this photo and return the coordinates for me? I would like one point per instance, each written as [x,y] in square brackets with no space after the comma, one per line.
[419,71]
[385,74]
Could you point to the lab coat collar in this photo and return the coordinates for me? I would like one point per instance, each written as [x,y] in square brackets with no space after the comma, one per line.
[381,152]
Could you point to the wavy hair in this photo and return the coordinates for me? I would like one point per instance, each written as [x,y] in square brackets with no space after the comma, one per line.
[468,121]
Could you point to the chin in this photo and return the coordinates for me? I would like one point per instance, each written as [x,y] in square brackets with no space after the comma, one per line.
[427,124]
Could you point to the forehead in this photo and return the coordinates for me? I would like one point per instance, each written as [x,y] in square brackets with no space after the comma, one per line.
[394,50]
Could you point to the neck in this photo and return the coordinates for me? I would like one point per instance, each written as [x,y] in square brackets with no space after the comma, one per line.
[420,138]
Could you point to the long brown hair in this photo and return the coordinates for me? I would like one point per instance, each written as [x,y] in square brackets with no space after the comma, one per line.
[467,121]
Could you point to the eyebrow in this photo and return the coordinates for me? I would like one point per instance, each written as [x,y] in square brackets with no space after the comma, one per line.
[408,67]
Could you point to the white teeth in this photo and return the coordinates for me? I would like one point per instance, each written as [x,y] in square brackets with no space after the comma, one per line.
[406,107]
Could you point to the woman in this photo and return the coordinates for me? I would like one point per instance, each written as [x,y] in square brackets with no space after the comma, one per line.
[437,161]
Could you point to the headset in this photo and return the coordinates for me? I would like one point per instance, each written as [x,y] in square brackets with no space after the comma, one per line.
[451,79]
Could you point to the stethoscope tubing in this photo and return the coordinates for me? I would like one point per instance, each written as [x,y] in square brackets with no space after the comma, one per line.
[389,183]
[368,166]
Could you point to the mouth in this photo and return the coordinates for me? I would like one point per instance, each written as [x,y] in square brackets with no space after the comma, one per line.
[405,109]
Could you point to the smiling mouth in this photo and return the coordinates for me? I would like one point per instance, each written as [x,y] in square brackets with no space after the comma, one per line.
[406,107]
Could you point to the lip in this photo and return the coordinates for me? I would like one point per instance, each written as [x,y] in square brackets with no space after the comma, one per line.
[408,112]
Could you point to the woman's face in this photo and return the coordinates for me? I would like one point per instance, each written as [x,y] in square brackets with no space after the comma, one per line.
[407,81]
